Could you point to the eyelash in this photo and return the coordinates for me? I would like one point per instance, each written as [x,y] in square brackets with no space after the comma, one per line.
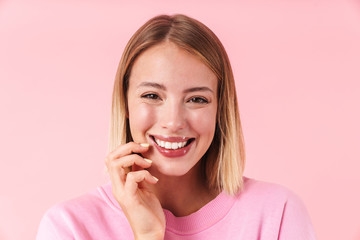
[151,96]
[199,100]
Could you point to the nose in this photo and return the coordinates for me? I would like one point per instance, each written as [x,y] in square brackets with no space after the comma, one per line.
[173,116]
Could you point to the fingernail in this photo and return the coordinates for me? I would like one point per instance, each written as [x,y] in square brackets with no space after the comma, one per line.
[144,144]
[155,178]
[148,160]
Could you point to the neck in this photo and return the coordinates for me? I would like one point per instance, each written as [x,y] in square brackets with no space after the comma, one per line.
[183,195]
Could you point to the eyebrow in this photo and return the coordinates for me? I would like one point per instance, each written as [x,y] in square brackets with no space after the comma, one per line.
[162,87]
[198,89]
[152,84]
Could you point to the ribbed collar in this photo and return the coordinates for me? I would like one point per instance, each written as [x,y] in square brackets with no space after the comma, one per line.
[205,217]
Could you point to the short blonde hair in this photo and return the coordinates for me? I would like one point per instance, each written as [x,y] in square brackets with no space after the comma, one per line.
[223,163]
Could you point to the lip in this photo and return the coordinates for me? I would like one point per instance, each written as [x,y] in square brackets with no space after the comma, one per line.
[172,153]
[171,138]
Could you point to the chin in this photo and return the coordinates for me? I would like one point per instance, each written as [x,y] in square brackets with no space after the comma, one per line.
[173,171]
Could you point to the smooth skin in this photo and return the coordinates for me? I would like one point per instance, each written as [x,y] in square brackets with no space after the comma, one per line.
[171,94]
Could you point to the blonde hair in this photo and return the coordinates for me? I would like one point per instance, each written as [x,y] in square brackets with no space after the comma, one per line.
[223,163]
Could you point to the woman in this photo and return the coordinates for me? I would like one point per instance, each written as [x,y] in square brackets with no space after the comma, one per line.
[176,151]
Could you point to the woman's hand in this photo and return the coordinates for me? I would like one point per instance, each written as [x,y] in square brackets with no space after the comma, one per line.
[141,207]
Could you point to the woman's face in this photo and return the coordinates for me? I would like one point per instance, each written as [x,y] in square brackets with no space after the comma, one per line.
[172,105]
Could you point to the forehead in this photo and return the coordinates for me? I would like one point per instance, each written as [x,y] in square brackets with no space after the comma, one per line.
[167,63]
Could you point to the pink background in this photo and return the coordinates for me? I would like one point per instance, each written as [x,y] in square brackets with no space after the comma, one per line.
[297,67]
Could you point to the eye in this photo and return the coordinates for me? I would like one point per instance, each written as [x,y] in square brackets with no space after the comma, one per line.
[151,96]
[200,100]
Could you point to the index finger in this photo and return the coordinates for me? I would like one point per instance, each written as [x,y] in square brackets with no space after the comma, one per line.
[129,148]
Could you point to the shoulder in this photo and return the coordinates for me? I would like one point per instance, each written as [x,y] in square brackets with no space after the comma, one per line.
[60,219]
[76,207]
[76,216]
[93,202]
[274,205]
[266,192]
[265,195]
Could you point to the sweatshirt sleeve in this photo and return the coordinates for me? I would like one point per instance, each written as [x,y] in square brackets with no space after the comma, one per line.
[46,229]
[55,225]
[295,222]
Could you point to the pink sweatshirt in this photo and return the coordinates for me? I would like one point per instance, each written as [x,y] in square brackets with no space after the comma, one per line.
[261,211]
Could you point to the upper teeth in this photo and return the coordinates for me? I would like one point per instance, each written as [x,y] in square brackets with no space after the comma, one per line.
[170,145]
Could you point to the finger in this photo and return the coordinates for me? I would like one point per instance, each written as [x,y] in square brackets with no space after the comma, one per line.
[131,160]
[123,150]
[117,178]
[127,149]
[134,178]
[122,165]
[118,168]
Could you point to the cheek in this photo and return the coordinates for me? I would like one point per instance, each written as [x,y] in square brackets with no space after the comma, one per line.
[141,117]
[203,122]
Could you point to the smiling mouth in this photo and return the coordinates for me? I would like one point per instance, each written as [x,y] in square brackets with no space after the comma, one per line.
[172,145]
